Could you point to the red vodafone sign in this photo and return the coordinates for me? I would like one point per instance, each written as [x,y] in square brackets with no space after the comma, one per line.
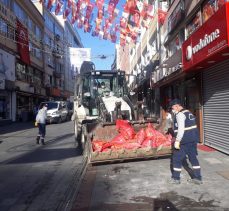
[211,39]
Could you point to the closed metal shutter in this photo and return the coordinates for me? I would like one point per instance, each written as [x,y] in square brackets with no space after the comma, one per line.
[216,106]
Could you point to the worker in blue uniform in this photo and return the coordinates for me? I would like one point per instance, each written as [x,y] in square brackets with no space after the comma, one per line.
[186,139]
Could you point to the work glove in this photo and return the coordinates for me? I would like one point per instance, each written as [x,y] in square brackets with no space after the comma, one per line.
[177,145]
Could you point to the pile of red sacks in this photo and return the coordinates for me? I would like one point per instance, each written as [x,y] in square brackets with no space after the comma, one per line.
[129,139]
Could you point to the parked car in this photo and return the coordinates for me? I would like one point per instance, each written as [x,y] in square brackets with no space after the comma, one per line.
[57,111]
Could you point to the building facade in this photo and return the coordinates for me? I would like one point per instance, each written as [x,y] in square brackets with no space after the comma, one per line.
[22,58]
[72,40]
[194,64]
[33,55]
[142,58]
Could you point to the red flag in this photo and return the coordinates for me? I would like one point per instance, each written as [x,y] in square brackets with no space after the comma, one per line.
[161,16]
[59,4]
[50,3]
[122,42]
[70,2]
[100,14]
[99,4]
[89,9]
[123,23]
[23,42]
[42,1]
[66,13]
[111,8]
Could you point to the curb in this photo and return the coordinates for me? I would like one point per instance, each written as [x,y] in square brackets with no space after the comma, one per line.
[73,188]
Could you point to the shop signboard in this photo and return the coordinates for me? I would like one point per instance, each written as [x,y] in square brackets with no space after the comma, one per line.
[210,39]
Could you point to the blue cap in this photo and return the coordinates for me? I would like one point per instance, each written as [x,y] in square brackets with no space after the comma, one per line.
[174,102]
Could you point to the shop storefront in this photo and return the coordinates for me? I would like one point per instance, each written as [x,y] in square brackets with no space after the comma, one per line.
[207,51]
[7,94]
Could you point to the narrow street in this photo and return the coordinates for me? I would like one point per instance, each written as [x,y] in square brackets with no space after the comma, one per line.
[36,177]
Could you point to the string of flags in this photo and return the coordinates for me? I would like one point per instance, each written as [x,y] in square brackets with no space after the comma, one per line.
[105,20]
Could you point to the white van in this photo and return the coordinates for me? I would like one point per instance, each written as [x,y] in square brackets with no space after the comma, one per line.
[57,111]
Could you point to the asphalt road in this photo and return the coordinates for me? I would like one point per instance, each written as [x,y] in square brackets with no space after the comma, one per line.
[36,177]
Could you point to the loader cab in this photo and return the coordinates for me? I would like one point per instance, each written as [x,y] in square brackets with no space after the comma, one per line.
[93,85]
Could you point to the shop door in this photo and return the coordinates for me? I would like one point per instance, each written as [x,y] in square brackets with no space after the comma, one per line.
[192,95]
[216,106]
[2,108]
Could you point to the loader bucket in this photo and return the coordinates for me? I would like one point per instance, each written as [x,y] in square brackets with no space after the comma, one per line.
[98,131]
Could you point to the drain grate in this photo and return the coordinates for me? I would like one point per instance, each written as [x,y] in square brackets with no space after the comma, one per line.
[224,174]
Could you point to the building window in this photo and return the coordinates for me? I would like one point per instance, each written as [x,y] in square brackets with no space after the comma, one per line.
[194,24]
[176,43]
[210,7]
[5,2]
[38,33]
[20,13]
[3,27]
[176,16]
[7,30]
[31,25]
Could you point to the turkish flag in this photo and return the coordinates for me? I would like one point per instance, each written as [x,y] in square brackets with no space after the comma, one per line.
[23,42]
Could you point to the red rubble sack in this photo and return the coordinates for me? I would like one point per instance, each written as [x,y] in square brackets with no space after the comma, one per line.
[148,142]
[150,132]
[117,140]
[131,145]
[97,145]
[140,136]
[125,129]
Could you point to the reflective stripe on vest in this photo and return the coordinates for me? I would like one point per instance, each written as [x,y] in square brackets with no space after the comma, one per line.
[188,128]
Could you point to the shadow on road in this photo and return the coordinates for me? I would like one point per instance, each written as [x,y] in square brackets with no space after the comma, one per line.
[43,154]
[16,127]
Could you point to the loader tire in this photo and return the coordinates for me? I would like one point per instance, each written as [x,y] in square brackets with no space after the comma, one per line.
[77,135]
[83,140]
[87,152]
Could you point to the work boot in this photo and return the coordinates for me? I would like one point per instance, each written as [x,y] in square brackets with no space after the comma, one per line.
[38,139]
[42,141]
[195,181]
[174,181]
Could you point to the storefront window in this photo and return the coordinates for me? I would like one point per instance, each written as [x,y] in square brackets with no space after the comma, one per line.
[20,72]
[194,24]
[38,75]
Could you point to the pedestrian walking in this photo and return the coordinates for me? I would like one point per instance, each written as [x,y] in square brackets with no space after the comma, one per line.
[41,121]
[185,145]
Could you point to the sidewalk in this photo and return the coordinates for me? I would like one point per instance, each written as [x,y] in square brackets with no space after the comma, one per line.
[15,127]
[135,185]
